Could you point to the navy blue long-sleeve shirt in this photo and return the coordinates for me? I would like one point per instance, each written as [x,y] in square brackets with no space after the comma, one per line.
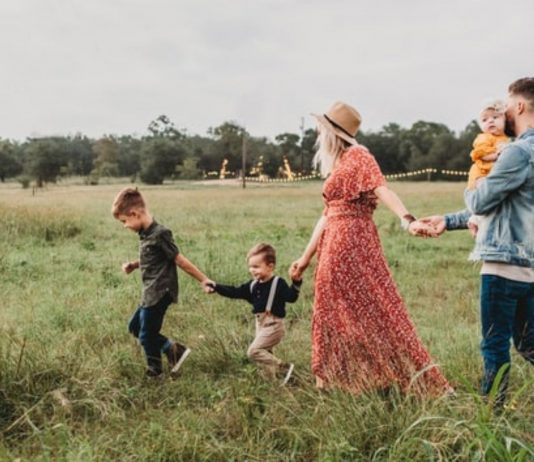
[259,294]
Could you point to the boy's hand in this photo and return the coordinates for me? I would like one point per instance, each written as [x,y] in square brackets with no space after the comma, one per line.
[295,278]
[208,286]
[129,266]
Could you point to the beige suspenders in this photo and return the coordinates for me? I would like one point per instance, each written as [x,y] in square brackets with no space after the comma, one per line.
[272,292]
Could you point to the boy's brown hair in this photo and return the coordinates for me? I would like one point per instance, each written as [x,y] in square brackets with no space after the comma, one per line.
[127,200]
[268,252]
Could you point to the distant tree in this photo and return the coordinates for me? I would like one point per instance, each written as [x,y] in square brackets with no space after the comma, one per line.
[159,158]
[260,149]
[465,144]
[161,152]
[80,155]
[106,151]
[189,170]
[129,155]
[45,158]
[443,151]
[288,144]
[162,126]
[307,150]
[386,145]
[9,165]
[419,140]
[228,144]
[203,149]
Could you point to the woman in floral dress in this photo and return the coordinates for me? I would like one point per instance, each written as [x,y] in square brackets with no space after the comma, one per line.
[362,336]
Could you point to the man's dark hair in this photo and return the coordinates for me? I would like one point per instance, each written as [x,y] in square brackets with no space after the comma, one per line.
[524,87]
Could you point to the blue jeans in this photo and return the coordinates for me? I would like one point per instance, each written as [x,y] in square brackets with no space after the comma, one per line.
[507,312]
[145,325]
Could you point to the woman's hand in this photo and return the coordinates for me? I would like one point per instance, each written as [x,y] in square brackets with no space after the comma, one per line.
[437,222]
[297,268]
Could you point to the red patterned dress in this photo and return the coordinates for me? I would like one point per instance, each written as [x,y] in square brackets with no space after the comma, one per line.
[362,336]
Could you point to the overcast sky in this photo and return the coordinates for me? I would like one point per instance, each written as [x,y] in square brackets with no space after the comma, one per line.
[111,66]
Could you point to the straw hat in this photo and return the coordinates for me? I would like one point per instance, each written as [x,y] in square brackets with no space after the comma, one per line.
[342,120]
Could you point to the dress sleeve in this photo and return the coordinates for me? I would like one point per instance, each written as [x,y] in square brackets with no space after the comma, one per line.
[367,175]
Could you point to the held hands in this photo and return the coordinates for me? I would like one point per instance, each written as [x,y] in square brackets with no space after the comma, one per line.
[419,228]
[432,226]
[208,286]
[297,268]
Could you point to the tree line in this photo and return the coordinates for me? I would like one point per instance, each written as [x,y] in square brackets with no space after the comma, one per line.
[166,152]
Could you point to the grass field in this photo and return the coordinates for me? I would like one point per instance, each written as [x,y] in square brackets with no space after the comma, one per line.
[71,378]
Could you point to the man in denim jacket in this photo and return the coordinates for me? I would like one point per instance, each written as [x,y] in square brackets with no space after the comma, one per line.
[505,242]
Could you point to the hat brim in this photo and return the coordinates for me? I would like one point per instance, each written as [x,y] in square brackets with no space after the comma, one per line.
[336,131]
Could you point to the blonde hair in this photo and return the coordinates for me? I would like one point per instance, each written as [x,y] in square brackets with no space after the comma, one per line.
[267,250]
[127,200]
[496,105]
[329,147]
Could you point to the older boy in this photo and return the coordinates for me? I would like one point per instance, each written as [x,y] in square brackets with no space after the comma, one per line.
[159,256]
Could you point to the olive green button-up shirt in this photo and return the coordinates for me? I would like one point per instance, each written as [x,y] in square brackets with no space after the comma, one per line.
[157,253]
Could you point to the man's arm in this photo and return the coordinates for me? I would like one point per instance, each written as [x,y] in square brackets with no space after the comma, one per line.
[508,174]
[457,220]
[448,222]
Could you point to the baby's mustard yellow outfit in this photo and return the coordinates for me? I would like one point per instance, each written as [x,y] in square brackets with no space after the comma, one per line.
[484,144]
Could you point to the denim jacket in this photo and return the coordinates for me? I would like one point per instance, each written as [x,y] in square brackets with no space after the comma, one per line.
[506,201]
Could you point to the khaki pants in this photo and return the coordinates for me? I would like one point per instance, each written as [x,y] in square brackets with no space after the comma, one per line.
[269,332]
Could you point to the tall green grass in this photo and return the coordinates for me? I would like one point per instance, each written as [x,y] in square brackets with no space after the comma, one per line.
[71,378]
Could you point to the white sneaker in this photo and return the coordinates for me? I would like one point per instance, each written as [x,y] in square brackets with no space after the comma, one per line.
[290,368]
[180,360]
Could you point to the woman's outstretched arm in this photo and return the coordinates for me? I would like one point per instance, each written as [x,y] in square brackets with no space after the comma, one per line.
[393,203]
[299,266]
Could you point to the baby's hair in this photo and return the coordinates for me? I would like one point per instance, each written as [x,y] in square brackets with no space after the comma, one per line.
[496,105]
[268,252]
[127,200]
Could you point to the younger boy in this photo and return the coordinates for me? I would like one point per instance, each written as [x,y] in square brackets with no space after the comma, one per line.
[158,257]
[268,295]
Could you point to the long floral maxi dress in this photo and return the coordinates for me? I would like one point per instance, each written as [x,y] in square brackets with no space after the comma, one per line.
[362,336]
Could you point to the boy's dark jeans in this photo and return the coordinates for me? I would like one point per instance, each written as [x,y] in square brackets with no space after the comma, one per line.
[145,324]
[507,311]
